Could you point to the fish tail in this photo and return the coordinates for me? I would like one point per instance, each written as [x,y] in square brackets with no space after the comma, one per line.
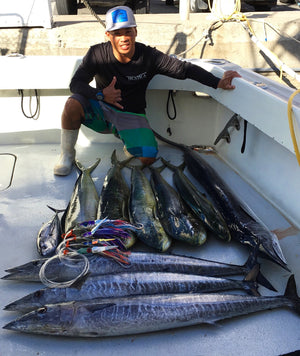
[250,282]
[56,210]
[291,293]
[88,169]
[114,159]
[260,278]
[172,143]
[171,166]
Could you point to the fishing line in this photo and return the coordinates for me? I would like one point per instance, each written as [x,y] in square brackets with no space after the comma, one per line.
[65,284]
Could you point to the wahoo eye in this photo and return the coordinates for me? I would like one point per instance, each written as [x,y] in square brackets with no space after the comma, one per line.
[42,310]
[38,293]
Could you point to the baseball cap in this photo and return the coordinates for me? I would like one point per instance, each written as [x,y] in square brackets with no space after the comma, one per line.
[119,17]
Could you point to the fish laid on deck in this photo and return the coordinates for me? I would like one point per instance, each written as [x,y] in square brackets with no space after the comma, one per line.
[137,262]
[84,200]
[49,236]
[141,314]
[201,206]
[244,227]
[178,222]
[129,284]
[114,196]
[142,210]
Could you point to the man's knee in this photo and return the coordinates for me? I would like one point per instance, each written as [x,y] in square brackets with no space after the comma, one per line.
[73,114]
[73,107]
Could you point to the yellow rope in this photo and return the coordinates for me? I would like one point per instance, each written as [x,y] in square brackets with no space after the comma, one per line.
[292,130]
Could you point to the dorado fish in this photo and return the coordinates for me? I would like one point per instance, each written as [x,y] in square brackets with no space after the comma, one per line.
[142,314]
[114,196]
[142,210]
[244,226]
[84,200]
[138,262]
[49,236]
[128,284]
[201,206]
[177,221]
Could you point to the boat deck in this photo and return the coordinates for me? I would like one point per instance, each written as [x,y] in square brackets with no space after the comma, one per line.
[23,210]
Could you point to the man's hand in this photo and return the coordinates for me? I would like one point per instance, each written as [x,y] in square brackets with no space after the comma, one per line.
[113,95]
[225,82]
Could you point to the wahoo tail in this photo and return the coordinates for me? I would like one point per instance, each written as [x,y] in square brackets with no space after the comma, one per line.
[291,293]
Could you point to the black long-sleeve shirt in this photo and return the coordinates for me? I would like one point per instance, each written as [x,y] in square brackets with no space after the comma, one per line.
[133,77]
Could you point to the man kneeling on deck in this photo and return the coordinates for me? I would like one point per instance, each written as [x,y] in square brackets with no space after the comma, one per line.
[122,69]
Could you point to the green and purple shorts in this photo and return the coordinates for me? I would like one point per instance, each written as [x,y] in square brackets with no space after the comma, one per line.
[133,129]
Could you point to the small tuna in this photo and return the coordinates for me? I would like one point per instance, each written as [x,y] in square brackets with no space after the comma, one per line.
[114,196]
[84,200]
[49,236]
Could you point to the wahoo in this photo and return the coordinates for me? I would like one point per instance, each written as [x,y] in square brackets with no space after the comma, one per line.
[142,314]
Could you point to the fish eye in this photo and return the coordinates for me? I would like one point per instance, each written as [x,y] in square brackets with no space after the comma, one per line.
[38,293]
[42,310]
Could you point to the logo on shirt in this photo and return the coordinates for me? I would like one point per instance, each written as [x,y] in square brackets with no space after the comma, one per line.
[137,77]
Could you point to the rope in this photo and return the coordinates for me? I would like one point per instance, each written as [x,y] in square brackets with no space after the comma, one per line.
[35,115]
[291,125]
[88,6]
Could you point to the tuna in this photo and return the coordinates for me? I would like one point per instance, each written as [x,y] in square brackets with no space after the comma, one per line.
[114,196]
[84,200]
[49,236]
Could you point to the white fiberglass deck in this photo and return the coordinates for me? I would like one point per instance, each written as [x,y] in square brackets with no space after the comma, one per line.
[23,210]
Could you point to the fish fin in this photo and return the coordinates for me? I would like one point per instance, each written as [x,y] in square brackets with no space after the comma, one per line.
[93,166]
[56,210]
[79,166]
[290,231]
[79,282]
[291,293]
[113,158]
[172,167]
[250,280]
[251,263]
[96,307]
[262,280]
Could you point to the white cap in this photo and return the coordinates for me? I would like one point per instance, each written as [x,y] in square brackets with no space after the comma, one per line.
[119,17]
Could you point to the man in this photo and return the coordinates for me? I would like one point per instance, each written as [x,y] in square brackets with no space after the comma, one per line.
[122,69]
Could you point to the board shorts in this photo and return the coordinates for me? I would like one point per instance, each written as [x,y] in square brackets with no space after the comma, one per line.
[133,129]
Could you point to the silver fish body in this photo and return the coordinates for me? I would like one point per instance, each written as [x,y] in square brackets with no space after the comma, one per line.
[142,314]
[138,262]
[142,210]
[178,222]
[128,284]
[84,200]
[49,236]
